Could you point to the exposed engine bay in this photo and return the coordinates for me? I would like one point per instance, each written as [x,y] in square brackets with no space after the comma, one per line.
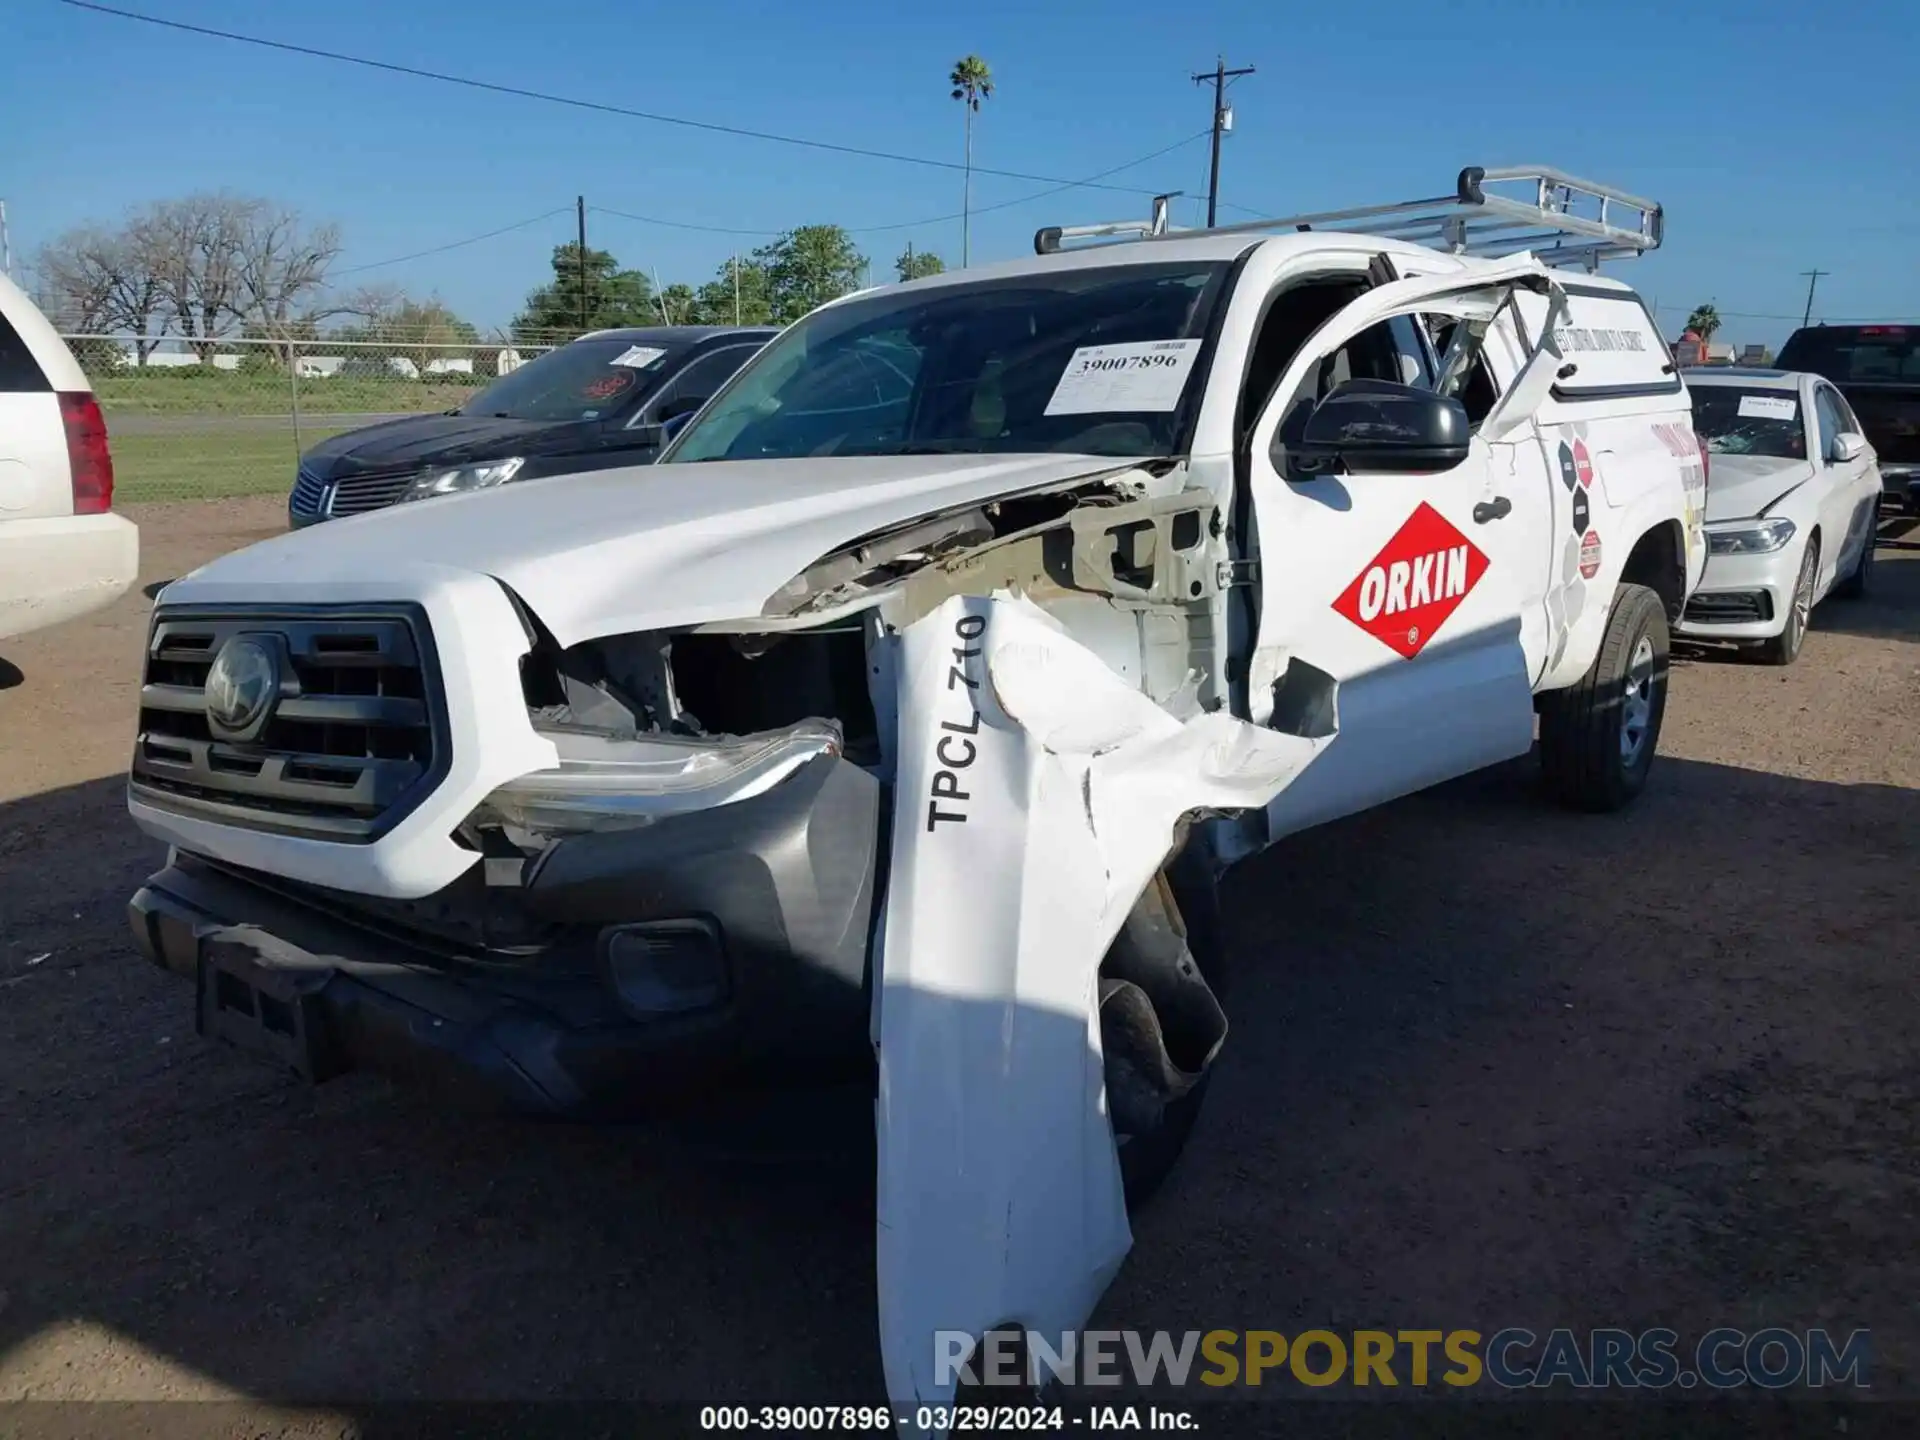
[1132,575]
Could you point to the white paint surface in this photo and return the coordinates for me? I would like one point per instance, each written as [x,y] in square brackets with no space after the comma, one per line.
[999,1189]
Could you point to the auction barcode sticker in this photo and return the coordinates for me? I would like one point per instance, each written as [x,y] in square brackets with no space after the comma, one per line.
[637,357]
[1768,407]
[1107,379]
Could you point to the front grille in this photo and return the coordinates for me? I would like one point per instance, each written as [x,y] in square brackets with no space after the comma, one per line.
[355,739]
[309,493]
[356,494]
[1730,607]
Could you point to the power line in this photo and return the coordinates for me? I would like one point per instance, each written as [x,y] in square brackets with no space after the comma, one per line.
[737,230]
[575,102]
[682,224]
[455,244]
[914,224]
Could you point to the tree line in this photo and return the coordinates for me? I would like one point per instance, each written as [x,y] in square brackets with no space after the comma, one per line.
[773,285]
[213,268]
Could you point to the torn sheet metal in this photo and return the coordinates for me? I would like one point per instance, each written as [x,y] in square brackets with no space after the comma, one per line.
[1038,794]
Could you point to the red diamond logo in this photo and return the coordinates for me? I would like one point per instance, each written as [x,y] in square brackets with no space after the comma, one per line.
[1407,591]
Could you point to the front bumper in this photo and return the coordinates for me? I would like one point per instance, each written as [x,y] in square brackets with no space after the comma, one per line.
[62,567]
[782,886]
[1743,597]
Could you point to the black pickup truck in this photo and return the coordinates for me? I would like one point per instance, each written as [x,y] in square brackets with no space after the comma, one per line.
[1877,369]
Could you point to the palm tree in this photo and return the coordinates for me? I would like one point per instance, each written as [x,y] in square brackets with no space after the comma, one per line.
[1704,321]
[972,82]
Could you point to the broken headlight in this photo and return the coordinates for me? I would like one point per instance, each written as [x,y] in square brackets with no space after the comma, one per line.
[607,782]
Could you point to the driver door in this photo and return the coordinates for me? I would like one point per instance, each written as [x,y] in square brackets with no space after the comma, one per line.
[1389,613]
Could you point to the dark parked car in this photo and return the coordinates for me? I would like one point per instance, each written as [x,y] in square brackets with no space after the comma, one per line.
[609,398]
[1877,369]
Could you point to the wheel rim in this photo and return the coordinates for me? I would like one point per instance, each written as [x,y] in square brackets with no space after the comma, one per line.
[1636,703]
[1803,594]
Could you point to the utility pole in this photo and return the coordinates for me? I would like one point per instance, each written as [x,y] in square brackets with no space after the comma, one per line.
[1813,279]
[580,209]
[736,287]
[6,245]
[1219,75]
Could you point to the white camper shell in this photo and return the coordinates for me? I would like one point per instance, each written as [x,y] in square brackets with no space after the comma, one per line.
[902,717]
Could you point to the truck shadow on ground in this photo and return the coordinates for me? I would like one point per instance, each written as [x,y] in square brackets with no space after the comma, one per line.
[1491,1064]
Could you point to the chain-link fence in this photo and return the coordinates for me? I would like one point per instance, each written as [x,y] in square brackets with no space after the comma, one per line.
[211,419]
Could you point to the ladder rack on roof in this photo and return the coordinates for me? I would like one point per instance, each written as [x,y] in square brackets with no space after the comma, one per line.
[1565,221]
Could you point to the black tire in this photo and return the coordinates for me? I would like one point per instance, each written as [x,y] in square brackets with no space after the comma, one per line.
[1160,1029]
[1148,1156]
[1586,759]
[1784,648]
[1859,584]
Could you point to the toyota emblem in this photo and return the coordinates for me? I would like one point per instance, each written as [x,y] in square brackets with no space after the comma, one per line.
[242,685]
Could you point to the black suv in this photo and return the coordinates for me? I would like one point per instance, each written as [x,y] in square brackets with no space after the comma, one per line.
[610,398]
[1877,368]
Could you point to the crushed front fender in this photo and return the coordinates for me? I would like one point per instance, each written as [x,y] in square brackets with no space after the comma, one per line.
[1038,794]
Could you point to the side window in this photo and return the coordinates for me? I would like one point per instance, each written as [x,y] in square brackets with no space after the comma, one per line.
[19,371]
[1827,418]
[704,376]
[1292,316]
[1843,412]
[1410,345]
[1472,381]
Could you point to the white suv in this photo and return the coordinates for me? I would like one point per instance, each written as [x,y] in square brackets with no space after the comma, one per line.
[63,552]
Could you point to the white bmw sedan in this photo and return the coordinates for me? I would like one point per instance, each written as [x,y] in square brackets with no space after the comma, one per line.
[1793,494]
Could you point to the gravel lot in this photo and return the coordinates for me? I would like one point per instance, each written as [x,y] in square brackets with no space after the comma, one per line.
[1492,1064]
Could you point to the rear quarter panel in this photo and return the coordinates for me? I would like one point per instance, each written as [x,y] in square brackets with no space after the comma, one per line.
[1618,434]
[35,365]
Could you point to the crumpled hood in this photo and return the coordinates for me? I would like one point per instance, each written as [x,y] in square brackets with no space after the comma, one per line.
[1741,486]
[638,548]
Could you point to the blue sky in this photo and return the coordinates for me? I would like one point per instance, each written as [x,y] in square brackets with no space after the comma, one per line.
[1778,135]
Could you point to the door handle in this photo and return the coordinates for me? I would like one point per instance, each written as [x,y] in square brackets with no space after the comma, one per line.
[1497,508]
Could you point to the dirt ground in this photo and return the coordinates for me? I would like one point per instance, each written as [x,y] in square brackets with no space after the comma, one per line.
[1492,1064]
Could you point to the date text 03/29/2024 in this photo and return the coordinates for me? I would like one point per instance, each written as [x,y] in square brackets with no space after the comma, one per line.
[952,1419]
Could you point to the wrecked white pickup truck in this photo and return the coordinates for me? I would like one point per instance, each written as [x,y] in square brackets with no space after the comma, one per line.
[901,719]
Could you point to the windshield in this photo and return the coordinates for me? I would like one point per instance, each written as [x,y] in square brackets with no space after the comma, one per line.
[1093,361]
[586,380]
[1734,421]
[1855,353]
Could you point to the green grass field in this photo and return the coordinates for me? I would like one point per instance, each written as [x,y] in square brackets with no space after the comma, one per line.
[266,393]
[207,466]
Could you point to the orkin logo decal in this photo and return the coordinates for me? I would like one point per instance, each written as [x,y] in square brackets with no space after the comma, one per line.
[1418,579]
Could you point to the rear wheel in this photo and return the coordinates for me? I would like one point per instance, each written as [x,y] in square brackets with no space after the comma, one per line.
[1597,739]
[1784,648]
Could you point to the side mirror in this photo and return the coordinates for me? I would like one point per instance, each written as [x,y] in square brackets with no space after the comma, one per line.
[679,409]
[1848,445]
[1381,425]
[669,421]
